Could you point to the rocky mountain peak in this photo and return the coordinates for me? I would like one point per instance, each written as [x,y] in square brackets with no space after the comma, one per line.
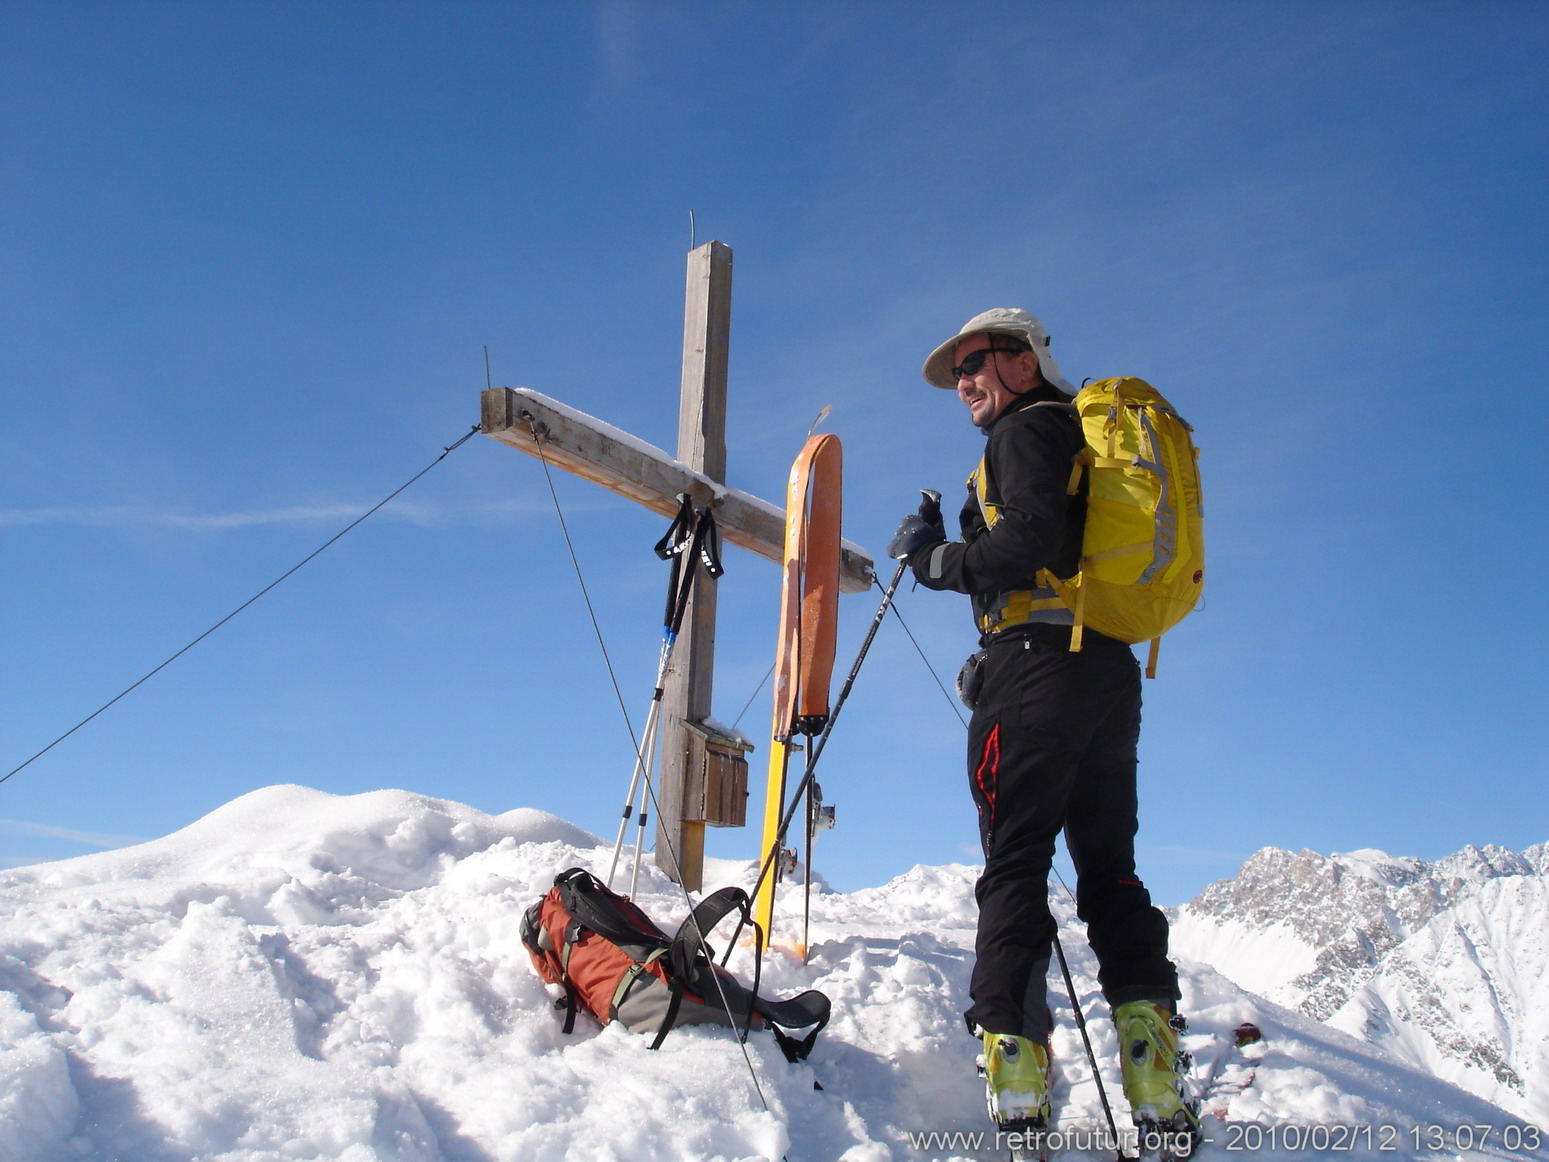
[1435,959]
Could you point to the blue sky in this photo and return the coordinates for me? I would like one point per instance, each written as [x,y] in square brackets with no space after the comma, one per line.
[250,254]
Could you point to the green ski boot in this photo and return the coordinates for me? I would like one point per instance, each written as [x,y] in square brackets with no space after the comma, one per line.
[1153,1068]
[1016,1074]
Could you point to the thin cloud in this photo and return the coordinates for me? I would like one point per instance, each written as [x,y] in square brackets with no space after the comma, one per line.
[1174,856]
[618,47]
[70,835]
[122,516]
[113,516]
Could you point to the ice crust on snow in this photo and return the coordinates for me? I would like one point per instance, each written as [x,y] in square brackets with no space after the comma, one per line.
[304,976]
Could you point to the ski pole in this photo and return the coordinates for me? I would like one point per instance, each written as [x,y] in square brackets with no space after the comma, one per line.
[871,632]
[647,740]
[703,548]
[929,506]
[1102,1092]
[679,528]
[677,603]
[806,858]
[650,774]
[694,537]
[817,748]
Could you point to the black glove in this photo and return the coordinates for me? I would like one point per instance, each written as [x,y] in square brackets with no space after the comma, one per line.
[919,530]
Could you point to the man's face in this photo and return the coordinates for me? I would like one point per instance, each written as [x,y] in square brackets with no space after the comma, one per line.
[1004,376]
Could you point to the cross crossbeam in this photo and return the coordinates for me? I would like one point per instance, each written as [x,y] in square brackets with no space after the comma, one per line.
[586,447]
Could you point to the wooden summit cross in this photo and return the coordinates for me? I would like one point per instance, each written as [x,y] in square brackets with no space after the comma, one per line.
[607,456]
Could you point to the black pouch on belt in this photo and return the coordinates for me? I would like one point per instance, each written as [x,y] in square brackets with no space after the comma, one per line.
[970,679]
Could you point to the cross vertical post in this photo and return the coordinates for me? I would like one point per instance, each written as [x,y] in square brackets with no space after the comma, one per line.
[701,447]
[575,442]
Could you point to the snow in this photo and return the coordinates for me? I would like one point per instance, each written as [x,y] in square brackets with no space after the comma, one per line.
[1266,959]
[302,976]
[1373,864]
[1467,997]
[1442,965]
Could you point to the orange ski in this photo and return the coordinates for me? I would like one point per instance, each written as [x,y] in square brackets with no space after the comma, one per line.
[809,616]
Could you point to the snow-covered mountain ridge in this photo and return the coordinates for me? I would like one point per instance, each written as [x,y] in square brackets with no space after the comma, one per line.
[1441,963]
[302,976]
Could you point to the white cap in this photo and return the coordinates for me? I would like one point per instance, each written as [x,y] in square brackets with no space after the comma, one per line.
[1004,321]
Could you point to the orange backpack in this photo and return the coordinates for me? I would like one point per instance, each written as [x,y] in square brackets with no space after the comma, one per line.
[617,965]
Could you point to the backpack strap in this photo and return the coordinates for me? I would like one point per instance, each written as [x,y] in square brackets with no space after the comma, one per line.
[1019,606]
[570,1008]
[602,911]
[808,1008]
[572,934]
[689,943]
[671,1015]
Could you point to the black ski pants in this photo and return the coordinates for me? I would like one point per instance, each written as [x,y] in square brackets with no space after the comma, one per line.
[1052,746]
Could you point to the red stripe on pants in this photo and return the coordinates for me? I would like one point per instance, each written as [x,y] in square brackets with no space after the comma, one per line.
[990,760]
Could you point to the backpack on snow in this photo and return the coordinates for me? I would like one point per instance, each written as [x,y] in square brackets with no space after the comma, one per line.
[1143,549]
[617,965]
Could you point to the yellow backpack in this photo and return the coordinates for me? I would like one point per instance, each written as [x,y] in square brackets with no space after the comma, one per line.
[1143,551]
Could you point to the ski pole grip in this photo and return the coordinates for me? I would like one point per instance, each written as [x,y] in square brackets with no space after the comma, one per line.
[930,505]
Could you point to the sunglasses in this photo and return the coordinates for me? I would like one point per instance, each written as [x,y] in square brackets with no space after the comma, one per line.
[973,363]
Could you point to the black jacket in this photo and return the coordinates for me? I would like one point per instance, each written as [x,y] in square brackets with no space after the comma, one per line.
[1028,453]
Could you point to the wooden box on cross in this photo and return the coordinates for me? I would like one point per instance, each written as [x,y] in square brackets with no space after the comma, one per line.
[715,776]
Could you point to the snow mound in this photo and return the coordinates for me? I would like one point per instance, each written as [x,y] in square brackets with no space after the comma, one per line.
[301,976]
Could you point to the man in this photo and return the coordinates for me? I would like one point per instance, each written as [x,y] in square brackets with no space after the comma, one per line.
[1053,737]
